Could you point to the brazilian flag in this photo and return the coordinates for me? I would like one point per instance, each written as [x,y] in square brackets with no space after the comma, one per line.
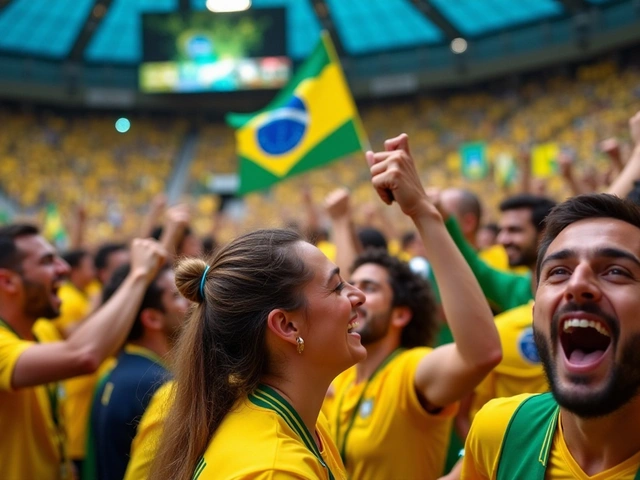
[474,163]
[53,229]
[311,122]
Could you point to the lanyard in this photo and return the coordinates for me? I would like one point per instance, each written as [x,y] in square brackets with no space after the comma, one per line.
[354,414]
[52,396]
[267,397]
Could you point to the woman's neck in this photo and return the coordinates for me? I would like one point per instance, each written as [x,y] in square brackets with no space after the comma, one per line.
[304,393]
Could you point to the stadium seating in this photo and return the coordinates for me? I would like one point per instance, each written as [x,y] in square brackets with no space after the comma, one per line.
[116,175]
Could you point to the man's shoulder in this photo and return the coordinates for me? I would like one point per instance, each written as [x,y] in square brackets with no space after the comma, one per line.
[494,417]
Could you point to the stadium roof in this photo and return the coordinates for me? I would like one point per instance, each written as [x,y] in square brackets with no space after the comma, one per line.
[109,31]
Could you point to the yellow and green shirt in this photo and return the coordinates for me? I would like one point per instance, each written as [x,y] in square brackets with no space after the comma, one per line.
[485,442]
[380,426]
[33,442]
[264,438]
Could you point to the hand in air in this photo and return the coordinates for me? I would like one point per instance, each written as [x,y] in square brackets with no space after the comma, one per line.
[336,204]
[394,176]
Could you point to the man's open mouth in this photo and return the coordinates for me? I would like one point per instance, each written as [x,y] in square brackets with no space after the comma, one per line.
[583,341]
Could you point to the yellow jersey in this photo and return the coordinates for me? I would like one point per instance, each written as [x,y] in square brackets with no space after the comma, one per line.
[32,436]
[75,307]
[484,442]
[264,438]
[145,443]
[520,370]
[380,426]
[496,257]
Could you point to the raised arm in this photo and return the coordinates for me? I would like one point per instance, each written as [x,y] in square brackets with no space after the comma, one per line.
[100,335]
[343,233]
[451,371]
[156,207]
[623,184]
[176,221]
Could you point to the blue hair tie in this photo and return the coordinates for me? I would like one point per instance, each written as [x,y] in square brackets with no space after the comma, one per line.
[204,278]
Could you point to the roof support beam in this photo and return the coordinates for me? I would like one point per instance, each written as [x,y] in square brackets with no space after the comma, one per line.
[97,14]
[433,14]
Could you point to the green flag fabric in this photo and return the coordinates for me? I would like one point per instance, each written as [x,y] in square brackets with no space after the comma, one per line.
[311,122]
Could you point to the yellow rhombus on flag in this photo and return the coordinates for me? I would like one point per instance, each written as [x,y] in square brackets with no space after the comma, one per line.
[311,122]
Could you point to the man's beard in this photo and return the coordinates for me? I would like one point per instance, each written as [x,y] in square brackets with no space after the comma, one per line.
[622,385]
[527,257]
[375,328]
[37,301]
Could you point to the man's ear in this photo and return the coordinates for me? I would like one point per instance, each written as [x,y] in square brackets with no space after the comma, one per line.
[400,316]
[9,280]
[151,319]
[283,325]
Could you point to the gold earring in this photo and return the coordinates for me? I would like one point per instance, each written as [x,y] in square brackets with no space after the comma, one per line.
[300,342]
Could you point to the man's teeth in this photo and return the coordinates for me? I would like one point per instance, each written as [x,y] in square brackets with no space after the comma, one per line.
[569,325]
[353,324]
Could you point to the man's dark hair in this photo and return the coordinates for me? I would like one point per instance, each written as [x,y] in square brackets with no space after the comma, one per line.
[74,257]
[409,290]
[372,238]
[152,297]
[583,207]
[103,253]
[10,256]
[407,238]
[539,206]
[470,203]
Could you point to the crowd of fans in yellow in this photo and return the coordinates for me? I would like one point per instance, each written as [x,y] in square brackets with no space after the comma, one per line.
[81,160]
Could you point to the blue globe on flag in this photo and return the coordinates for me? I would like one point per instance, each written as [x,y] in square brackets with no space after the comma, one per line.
[283,128]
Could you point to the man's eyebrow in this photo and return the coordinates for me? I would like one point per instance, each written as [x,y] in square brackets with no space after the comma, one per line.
[612,252]
[559,255]
[606,252]
[366,282]
[47,256]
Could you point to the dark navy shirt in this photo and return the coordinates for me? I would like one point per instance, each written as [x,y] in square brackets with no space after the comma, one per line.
[119,402]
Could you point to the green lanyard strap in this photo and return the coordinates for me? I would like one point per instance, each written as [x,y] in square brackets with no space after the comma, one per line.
[354,414]
[267,397]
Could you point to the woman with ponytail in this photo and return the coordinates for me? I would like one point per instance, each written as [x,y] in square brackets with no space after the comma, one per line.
[271,328]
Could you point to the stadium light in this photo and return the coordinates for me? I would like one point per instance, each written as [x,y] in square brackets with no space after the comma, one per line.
[228,5]
[458,45]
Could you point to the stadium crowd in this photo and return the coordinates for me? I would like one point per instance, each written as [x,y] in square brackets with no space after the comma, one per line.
[364,332]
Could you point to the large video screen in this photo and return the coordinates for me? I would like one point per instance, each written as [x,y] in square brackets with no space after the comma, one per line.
[214,52]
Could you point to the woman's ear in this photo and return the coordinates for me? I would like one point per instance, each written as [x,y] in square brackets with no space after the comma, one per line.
[283,325]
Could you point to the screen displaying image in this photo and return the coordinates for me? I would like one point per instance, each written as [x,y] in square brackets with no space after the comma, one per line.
[214,52]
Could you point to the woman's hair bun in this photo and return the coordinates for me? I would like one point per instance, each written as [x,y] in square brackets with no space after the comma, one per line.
[189,273]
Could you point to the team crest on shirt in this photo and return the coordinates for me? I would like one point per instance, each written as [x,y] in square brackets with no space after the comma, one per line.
[366,408]
[527,346]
